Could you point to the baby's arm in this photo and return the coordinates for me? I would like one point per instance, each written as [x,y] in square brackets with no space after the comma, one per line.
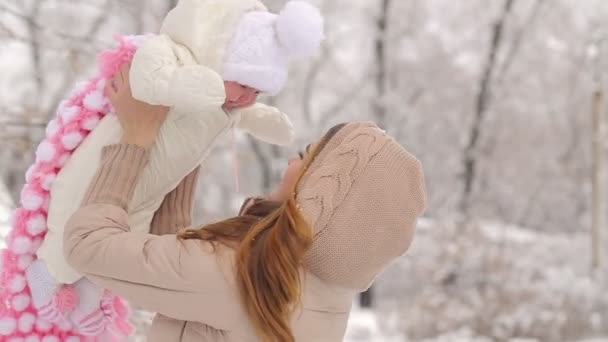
[158,77]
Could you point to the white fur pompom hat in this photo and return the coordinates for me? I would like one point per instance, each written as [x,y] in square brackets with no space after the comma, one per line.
[259,52]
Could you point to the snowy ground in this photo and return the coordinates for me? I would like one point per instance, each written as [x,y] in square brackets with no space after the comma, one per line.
[484,283]
[363,327]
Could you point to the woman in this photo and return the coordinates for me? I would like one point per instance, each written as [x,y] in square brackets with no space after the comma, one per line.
[286,269]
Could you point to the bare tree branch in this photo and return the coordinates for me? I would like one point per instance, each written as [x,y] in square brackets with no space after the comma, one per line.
[263,163]
[309,83]
[35,53]
[481,107]
[517,41]
[379,105]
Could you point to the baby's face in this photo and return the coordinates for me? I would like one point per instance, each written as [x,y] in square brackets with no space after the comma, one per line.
[239,96]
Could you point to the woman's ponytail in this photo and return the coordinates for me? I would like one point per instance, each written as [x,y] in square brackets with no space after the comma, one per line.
[268,270]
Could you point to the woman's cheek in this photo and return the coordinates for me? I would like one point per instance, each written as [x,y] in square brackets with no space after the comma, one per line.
[291,175]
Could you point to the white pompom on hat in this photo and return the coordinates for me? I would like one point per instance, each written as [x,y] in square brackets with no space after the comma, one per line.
[259,52]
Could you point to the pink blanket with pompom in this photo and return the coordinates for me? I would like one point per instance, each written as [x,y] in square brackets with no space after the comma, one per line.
[19,319]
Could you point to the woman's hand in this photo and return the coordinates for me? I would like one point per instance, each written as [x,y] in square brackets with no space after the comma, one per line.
[140,121]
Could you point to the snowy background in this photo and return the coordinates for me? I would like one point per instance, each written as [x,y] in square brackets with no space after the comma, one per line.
[495,97]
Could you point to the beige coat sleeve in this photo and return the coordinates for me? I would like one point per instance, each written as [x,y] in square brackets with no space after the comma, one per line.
[184,280]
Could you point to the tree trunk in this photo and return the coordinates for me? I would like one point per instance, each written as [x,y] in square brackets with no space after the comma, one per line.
[172,4]
[481,108]
[379,106]
[597,181]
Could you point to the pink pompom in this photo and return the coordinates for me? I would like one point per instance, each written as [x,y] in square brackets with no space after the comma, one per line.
[52,128]
[36,225]
[79,89]
[95,101]
[46,152]
[17,284]
[71,140]
[29,174]
[21,302]
[8,325]
[43,325]
[31,199]
[68,114]
[32,338]
[62,106]
[74,126]
[37,172]
[21,245]
[47,181]
[90,122]
[50,338]
[26,322]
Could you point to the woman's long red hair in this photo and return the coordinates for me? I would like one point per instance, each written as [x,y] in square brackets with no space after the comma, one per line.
[271,239]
